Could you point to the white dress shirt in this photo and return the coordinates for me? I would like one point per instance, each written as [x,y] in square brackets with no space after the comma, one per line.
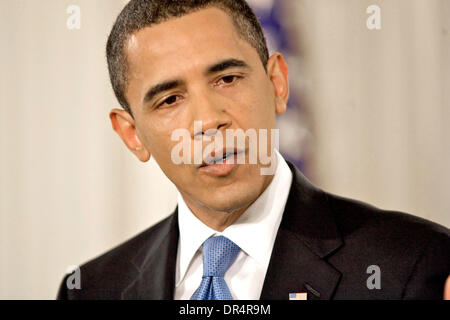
[254,232]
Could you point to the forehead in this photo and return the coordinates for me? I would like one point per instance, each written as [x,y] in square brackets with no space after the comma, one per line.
[184,44]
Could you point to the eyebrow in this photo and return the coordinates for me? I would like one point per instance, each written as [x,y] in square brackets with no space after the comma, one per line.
[218,67]
[226,64]
[161,88]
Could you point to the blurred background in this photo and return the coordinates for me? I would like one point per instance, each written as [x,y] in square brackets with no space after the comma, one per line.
[368,119]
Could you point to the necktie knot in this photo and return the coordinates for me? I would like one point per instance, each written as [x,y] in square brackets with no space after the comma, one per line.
[218,254]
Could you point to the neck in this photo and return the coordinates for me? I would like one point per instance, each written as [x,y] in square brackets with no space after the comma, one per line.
[216,219]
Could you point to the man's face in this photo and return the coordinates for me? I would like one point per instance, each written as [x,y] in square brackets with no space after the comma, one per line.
[182,60]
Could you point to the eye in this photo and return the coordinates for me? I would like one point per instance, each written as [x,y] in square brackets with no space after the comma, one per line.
[228,79]
[169,101]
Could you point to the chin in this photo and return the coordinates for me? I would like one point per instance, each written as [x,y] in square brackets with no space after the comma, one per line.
[230,201]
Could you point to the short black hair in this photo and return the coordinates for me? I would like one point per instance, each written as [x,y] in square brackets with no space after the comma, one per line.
[138,14]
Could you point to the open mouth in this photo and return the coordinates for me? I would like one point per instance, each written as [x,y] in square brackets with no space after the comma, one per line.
[220,164]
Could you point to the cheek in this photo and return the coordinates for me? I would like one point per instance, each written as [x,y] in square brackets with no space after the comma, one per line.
[253,111]
[156,138]
[258,103]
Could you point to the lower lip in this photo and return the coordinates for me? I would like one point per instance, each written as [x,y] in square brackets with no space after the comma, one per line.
[220,169]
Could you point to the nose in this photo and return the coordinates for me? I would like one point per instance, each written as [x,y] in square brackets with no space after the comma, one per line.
[212,113]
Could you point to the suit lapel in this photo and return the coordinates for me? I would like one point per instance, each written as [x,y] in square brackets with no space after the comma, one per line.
[306,237]
[156,263]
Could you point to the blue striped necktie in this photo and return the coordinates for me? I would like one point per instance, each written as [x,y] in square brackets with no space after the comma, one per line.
[218,254]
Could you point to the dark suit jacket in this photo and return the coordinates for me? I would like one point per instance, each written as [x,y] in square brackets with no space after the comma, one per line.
[324,246]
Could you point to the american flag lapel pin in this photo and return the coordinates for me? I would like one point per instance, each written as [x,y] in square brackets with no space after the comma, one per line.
[298,296]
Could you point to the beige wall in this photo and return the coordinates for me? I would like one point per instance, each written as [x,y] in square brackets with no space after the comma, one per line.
[379,102]
[69,190]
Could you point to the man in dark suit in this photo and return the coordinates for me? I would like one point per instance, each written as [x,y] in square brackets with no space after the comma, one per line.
[238,233]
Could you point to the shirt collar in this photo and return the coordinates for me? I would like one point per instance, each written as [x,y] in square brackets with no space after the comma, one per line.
[254,231]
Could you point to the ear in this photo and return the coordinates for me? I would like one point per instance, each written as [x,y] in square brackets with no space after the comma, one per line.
[277,71]
[447,289]
[124,124]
